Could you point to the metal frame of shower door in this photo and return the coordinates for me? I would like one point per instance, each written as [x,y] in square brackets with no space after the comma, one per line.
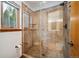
[66,27]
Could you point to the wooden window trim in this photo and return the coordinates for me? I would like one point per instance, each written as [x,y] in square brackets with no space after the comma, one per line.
[10,30]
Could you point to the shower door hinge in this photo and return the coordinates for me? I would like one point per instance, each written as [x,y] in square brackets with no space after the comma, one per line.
[62,4]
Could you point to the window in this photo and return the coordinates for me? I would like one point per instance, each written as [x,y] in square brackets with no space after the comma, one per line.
[55,20]
[26,20]
[9,16]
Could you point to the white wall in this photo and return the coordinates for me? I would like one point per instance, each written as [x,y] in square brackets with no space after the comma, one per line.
[8,41]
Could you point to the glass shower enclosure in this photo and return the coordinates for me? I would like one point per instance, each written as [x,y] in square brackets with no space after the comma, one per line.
[43,34]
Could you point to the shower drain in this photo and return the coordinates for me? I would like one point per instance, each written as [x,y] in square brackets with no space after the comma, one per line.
[43,54]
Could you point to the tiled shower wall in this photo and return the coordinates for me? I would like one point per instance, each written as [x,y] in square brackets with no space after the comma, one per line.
[50,42]
[55,44]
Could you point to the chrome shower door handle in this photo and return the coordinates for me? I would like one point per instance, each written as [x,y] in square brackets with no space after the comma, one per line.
[71,43]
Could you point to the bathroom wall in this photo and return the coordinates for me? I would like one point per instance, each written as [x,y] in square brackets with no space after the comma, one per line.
[8,41]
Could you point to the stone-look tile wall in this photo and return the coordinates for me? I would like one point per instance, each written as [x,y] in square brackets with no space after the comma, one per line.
[52,42]
[55,44]
[27,41]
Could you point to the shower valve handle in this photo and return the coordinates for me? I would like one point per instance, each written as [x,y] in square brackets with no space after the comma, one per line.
[71,43]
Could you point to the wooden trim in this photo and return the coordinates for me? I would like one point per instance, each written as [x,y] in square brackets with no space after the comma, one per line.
[9,30]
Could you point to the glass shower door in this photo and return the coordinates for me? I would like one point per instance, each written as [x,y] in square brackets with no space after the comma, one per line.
[27,38]
[51,32]
[55,33]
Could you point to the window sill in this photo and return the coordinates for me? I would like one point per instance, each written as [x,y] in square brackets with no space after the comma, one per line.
[9,30]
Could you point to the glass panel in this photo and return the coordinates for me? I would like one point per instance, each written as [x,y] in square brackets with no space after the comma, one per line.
[27,34]
[31,22]
[55,33]
[32,37]
[54,18]
[47,33]
[26,20]
[9,16]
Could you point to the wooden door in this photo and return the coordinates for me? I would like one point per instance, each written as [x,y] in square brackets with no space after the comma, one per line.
[74,29]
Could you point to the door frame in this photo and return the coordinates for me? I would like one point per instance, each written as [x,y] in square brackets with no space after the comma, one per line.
[26,10]
[66,27]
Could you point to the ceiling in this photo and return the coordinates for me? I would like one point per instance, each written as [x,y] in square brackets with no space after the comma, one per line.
[37,5]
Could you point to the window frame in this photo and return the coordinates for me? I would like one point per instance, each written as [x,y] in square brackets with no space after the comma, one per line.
[17,27]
